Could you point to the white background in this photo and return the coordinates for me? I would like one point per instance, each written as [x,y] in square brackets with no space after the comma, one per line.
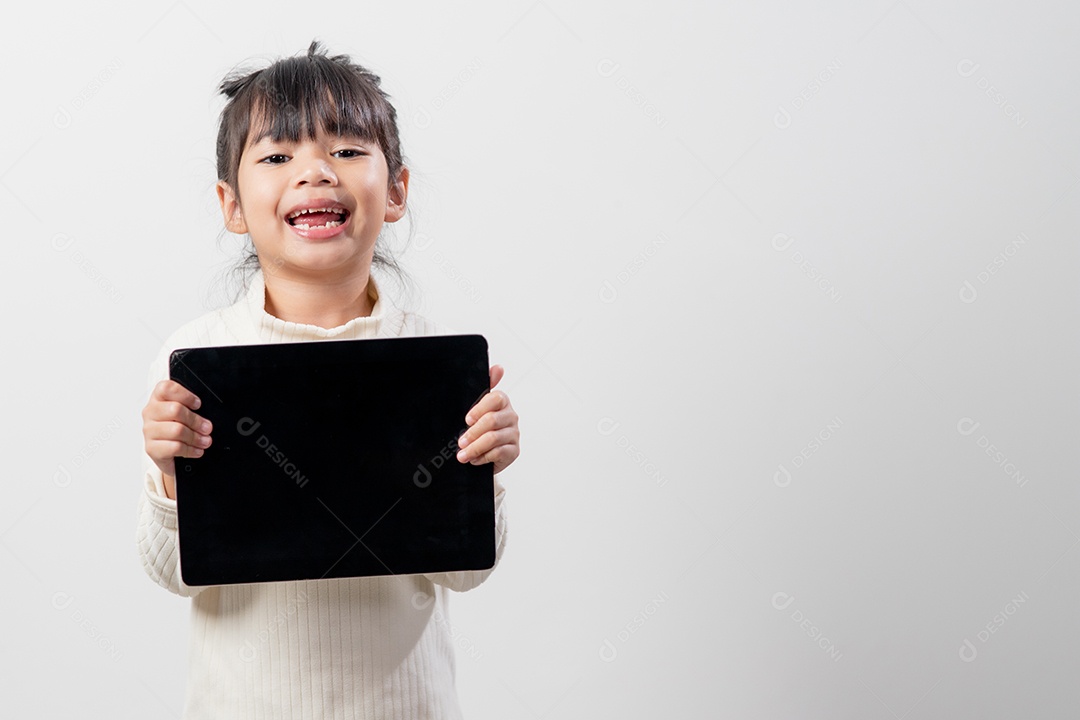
[785,296]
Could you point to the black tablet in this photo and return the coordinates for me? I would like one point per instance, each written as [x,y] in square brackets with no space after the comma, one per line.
[334,459]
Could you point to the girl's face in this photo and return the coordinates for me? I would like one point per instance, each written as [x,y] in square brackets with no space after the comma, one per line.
[345,177]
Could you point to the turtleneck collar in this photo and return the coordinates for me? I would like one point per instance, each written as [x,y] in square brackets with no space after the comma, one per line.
[272,329]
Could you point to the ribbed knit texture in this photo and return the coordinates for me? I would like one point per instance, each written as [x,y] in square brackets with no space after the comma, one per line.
[377,647]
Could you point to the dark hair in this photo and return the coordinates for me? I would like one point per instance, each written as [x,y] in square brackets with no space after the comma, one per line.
[297,96]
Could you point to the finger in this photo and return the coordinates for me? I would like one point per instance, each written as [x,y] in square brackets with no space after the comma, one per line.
[175,412]
[172,390]
[171,431]
[163,450]
[491,402]
[485,443]
[500,456]
[496,406]
[496,375]
[494,420]
[490,421]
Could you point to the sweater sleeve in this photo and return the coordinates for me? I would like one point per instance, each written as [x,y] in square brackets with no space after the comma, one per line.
[156,534]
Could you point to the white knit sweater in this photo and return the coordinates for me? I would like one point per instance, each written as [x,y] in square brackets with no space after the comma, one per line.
[377,647]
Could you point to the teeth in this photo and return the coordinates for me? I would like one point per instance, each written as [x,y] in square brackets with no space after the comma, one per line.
[304,226]
[298,213]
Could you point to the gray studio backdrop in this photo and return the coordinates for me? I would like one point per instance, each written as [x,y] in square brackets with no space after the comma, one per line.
[786,298]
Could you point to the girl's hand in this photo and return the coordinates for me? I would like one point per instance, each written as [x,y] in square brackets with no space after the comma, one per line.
[493,434]
[171,428]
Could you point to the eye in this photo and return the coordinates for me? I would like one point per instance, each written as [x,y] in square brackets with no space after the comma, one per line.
[350,152]
[274,159]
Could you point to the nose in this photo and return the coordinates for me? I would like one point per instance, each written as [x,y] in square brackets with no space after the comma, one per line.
[315,170]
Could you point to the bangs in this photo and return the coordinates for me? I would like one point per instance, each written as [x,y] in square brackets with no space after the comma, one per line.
[298,99]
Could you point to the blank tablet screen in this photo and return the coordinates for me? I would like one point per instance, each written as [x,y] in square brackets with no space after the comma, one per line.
[334,459]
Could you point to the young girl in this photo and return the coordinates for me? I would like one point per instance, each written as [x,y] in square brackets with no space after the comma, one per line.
[310,167]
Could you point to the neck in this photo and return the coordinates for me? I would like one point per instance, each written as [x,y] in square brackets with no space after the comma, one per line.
[322,303]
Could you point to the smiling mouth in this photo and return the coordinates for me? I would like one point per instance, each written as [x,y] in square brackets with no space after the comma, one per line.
[317,218]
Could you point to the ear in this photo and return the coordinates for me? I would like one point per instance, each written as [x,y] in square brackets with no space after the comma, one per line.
[230,209]
[395,199]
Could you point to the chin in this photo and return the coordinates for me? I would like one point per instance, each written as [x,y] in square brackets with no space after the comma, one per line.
[325,260]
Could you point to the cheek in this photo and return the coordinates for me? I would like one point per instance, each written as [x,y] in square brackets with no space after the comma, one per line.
[259,202]
[375,182]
